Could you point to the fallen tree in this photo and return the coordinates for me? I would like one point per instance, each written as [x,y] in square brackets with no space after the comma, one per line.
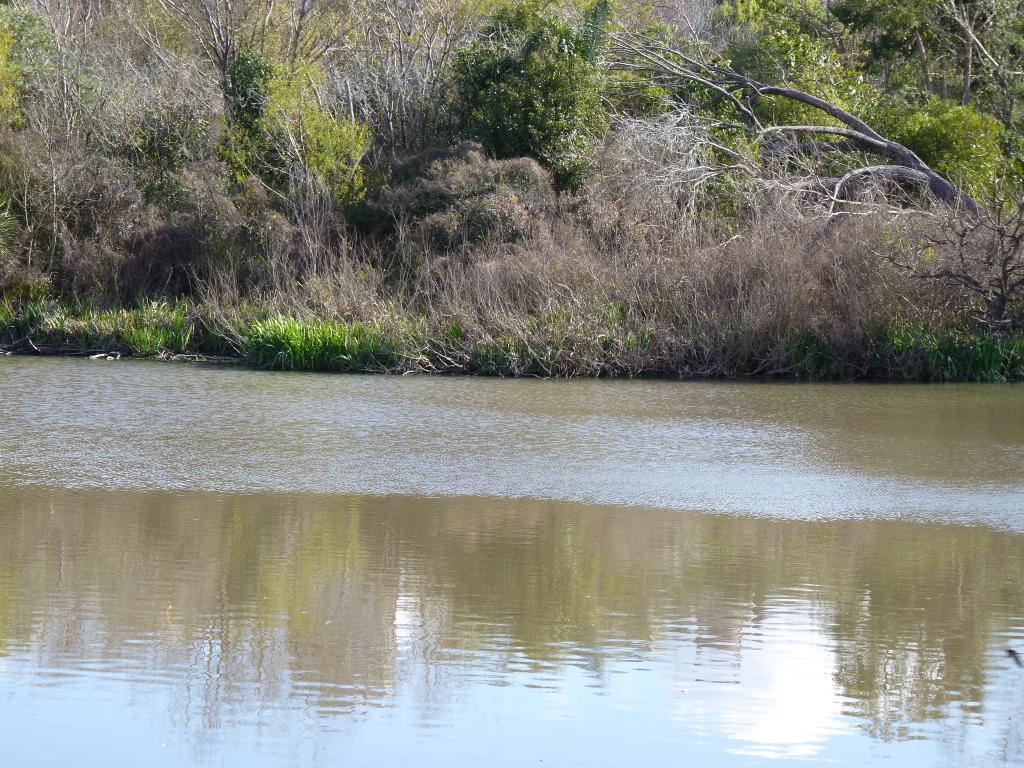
[848,134]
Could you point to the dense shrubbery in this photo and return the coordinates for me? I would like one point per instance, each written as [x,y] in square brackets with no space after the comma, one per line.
[954,139]
[386,185]
[530,86]
[459,197]
[277,129]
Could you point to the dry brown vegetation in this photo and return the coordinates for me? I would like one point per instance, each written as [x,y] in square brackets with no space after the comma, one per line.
[600,284]
[681,254]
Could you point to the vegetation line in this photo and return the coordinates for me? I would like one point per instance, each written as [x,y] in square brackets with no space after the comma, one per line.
[746,188]
[182,331]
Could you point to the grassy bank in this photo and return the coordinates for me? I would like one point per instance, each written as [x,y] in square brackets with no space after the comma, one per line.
[541,190]
[410,344]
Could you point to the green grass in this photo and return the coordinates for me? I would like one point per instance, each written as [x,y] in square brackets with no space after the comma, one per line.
[287,343]
[902,351]
[149,329]
[546,344]
[952,354]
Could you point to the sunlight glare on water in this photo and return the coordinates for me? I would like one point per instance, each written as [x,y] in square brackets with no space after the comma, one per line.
[218,567]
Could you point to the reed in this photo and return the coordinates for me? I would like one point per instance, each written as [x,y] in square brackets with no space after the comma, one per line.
[293,344]
[609,343]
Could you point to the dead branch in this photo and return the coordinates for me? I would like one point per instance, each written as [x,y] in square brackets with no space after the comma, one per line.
[668,65]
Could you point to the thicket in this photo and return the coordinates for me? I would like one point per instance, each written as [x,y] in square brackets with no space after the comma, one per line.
[752,188]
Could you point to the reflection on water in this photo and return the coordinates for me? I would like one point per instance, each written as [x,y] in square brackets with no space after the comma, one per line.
[169,628]
[221,567]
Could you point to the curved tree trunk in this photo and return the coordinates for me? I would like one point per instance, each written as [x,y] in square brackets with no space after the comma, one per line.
[854,133]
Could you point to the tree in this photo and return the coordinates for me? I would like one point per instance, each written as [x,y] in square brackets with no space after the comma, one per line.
[530,85]
[968,50]
[291,32]
[835,132]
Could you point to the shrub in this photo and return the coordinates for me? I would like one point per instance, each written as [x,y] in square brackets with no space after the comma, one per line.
[955,140]
[790,41]
[23,50]
[247,90]
[9,76]
[246,147]
[495,216]
[308,136]
[530,85]
[461,196]
[163,135]
[278,127]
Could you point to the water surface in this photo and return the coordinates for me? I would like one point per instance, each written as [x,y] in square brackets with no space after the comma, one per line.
[218,567]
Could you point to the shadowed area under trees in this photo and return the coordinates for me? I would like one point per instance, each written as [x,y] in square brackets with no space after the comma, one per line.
[751,188]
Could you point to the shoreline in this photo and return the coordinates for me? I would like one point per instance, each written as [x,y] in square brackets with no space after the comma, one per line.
[400,345]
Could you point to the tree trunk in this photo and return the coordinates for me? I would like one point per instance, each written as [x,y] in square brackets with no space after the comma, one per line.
[968,73]
[922,54]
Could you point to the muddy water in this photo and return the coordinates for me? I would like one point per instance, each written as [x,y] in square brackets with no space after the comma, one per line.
[218,567]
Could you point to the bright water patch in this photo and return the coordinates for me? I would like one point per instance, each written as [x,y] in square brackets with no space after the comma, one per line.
[219,567]
[934,453]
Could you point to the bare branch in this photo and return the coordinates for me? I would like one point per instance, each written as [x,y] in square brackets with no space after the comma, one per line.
[666,63]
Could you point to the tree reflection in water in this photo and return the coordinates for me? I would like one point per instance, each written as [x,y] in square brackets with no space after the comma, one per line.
[774,636]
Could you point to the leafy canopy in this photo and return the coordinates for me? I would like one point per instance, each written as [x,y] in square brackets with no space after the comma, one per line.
[530,86]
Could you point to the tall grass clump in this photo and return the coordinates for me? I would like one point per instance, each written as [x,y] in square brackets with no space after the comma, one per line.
[293,344]
[912,352]
[920,353]
[157,328]
[148,329]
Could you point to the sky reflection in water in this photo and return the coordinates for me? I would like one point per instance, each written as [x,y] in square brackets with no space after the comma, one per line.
[159,604]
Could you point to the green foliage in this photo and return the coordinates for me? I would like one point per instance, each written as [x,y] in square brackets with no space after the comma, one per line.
[792,42]
[530,86]
[247,90]
[957,141]
[792,17]
[10,76]
[286,343]
[24,50]
[632,93]
[12,275]
[889,30]
[247,153]
[277,126]
[972,50]
[798,42]
[305,133]
[247,148]
[548,343]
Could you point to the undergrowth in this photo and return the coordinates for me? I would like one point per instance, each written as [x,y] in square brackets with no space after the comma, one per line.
[896,351]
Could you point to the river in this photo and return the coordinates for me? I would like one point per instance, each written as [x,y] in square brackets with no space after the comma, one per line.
[217,567]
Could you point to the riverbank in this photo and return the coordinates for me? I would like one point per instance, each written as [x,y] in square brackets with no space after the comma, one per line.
[629,226]
[535,346]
